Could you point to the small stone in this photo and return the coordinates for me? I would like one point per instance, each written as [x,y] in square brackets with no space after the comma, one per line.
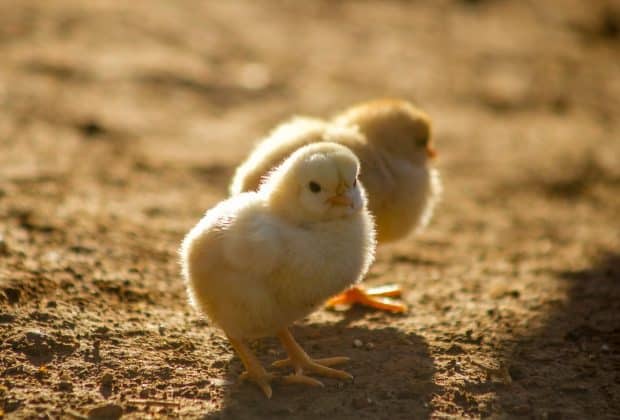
[254,76]
[91,128]
[218,364]
[220,382]
[65,386]
[370,346]
[204,395]
[35,335]
[12,294]
[605,347]
[4,247]
[11,405]
[107,380]
[455,349]
[361,402]
[6,318]
[516,372]
[357,343]
[505,86]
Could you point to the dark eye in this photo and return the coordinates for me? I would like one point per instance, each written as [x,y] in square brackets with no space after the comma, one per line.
[421,142]
[314,187]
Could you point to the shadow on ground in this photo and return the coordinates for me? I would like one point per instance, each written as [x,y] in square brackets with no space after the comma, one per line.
[571,367]
[393,377]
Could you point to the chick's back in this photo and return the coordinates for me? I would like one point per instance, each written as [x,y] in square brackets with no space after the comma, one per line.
[281,142]
[389,138]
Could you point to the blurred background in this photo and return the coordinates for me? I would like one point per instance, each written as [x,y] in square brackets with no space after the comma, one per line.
[121,122]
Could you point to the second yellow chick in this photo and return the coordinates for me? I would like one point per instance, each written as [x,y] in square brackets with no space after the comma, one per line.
[393,141]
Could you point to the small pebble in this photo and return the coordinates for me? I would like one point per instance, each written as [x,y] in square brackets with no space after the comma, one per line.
[4,248]
[65,386]
[254,76]
[361,402]
[370,346]
[107,379]
[220,382]
[357,343]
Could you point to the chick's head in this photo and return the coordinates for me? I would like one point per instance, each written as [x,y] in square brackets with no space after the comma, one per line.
[395,126]
[318,182]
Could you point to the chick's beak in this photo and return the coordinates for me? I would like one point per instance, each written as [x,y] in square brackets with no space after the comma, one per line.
[431,152]
[340,200]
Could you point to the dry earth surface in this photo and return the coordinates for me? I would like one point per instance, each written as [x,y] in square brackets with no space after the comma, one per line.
[121,122]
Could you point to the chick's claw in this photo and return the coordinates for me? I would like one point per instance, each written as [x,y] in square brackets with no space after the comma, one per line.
[262,379]
[254,372]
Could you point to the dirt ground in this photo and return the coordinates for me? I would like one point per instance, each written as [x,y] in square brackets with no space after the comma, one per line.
[122,122]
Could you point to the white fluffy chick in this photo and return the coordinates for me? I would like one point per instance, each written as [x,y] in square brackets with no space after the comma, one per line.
[259,261]
[392,139]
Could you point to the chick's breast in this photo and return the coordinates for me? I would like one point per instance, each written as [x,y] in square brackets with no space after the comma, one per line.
[322,260]
[253,273]
[402,197]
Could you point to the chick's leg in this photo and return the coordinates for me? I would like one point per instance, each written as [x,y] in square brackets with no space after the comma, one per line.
[300,361]
[254,370]
[377,297]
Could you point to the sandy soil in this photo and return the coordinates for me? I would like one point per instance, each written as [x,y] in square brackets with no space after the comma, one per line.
[121,122]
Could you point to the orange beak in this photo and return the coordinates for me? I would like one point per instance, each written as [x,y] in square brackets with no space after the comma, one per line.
[340,200]
[431,152]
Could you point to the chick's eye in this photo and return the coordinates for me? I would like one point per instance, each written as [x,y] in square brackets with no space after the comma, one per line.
[314,187]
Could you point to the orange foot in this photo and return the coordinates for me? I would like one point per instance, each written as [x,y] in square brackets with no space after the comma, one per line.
[376,297]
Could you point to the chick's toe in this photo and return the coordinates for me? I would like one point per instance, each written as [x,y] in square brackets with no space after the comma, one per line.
[301,363]
[378,298]
[327,361]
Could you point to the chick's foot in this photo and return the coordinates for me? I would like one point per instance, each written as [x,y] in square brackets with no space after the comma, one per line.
[254,370]
[377,297]
[301,362]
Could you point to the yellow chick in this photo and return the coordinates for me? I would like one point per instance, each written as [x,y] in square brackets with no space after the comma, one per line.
[259,261]
[392,139]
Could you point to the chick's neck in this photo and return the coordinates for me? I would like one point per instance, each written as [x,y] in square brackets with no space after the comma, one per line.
[279,204]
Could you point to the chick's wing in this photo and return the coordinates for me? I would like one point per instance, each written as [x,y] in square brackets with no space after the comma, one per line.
[253,244]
